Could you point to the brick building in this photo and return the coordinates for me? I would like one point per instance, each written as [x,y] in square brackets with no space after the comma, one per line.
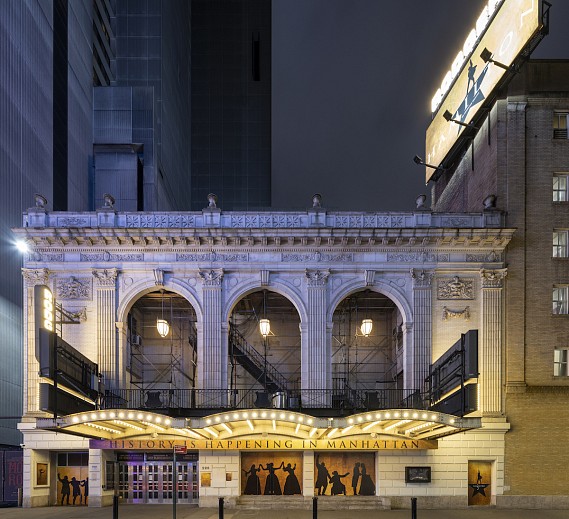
[520,155]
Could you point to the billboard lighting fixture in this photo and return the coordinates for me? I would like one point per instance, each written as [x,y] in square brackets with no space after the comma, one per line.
[486,56]
[420,162]
[448,117]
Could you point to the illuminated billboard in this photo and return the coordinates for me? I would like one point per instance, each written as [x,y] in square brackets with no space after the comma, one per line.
[515,22]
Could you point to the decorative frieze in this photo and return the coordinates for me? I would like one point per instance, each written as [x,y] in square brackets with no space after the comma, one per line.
[74,288]
[493,278]
[47,257]
[211,277]
[316,257]
[456,314]
[213,257]
[317,278]
[36,276]
[108,256]
[455,288]
[489,257]
[105,277]
[417,257]
[73,221]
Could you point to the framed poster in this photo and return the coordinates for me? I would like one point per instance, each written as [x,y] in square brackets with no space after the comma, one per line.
[42,473]
[417,474]
[479,483]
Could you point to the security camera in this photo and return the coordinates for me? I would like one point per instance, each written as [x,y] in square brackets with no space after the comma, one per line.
[22,445]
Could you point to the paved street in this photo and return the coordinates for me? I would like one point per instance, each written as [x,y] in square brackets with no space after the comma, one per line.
[188,512]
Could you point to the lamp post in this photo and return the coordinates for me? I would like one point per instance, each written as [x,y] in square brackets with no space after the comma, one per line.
[265,328]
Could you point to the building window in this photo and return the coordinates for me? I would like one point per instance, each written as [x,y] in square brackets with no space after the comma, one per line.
[560,125]
[560,300]
[560,188]
[560,244]
[560,363]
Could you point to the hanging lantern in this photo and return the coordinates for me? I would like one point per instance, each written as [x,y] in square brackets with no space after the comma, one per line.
[265,327]
[163,327]
[367,325]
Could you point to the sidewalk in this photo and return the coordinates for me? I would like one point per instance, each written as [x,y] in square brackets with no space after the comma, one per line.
[189,512]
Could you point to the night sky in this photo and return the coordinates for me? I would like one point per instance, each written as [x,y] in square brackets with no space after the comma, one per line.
[352,86]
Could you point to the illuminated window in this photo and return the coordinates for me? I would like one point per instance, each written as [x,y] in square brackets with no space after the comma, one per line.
[560,244]
[560,125]
[560,300]
[560,187]
[560,363]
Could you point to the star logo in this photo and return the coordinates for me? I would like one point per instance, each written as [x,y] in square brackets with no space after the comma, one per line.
[479,488]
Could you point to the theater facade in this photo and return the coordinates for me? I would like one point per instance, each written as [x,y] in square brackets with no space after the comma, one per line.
[236,354]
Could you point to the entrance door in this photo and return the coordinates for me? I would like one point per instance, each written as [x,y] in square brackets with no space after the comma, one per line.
[153,482]
[132,482]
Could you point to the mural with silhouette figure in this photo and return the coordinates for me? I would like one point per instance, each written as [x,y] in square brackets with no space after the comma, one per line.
[330,469]
[271,473]
[72,489]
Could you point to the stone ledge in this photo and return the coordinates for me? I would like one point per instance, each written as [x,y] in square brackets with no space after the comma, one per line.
[430,502]
[533,502]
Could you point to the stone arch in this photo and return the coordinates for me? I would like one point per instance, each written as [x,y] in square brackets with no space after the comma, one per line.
[395,294]
[253,285]
[141,288]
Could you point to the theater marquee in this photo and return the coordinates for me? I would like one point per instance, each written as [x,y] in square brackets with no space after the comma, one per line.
[373,444]
[513,26]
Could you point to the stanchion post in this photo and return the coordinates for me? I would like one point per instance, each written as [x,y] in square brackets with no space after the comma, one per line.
[314,508]
[413,508]
[221,508]
[116,491]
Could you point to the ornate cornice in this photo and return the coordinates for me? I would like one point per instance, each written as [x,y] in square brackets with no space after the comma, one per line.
[106,277]
[493,278]
[36,276]
[317,278]
[211,277]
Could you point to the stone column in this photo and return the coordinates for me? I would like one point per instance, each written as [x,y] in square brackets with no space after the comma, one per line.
[490,342]
[32,277]
[212,355]
[121,354]
[316,368]
[105,281]
[422,327]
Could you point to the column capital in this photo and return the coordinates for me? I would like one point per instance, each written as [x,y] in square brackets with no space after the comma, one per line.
[317,278]
[36,276]
[105,278]
[493,278]
[211,277]
[421,278]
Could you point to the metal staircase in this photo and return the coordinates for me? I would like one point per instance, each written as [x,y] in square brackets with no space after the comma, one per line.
[254,363]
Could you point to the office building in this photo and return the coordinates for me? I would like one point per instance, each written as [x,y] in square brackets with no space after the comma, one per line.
[231,103]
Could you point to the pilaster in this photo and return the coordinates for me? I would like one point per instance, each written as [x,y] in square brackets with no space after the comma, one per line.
[490,357]
[316,369]
[422,327]
[212,356]
[32,277]
[107,359]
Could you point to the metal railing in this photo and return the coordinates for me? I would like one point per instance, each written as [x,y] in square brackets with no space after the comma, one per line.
[176,401]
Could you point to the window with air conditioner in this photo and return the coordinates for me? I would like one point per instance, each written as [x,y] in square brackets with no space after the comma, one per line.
[560,125]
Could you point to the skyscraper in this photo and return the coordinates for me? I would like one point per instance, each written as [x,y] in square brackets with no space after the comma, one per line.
[231,103]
